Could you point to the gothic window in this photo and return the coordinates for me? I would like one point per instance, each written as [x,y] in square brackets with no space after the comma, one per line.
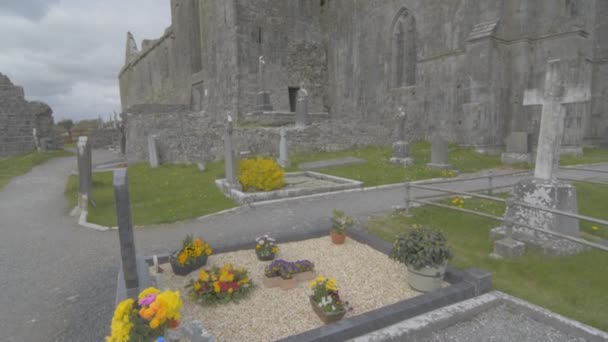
[403,50]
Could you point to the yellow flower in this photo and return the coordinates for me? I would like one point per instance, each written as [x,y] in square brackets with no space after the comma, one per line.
[216,286]
[230,290]
[182,257]
[244,281]
[197,286]
[208,251]
[226,277]
[595,228]
[258,246]
[331,285]
[312,284]
[274,249]
[121,324]
[203,276]
[154,323]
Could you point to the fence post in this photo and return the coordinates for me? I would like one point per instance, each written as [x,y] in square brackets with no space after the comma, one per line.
[407,198]
[490,181]
[508,222]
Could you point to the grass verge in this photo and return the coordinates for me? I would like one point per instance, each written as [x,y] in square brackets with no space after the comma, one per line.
[17,165]
[165,194]
[590,156]
[378,170]
[572,286]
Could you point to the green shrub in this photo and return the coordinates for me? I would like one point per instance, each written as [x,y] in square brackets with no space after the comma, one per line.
[421,247]
[261,174]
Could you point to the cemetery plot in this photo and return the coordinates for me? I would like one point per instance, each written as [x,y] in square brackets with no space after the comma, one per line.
[367,279]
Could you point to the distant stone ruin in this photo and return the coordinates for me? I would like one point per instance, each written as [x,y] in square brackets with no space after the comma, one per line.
[24,126]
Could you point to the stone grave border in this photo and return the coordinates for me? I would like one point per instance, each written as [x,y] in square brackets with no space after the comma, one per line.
[463,285]
[423,326]
[248,197]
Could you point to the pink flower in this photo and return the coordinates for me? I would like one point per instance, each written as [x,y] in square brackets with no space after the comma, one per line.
[147,300]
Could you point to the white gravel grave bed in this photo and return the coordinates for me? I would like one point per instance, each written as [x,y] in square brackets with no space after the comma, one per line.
[366,278]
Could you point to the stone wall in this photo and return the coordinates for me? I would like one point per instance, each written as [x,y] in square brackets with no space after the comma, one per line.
[19,117]
[190,137]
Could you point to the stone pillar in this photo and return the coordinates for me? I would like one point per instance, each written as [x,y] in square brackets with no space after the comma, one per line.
[125,233]
[230,161]
[36,139]
[283,158]
[401,148]
[85,172]
[302,116]
[263,100]
[152,151]
[439,154]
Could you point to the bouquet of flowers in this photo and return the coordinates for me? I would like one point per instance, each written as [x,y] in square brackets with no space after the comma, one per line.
[220,285]
[265,247]
[286,269]
[193,255]
[326,299]
[146,319]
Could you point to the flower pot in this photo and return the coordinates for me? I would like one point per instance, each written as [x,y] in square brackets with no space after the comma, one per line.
[271,282]
[264,257]
[183,270]
[326,317]
[305,276]
[427,278]
[337,239]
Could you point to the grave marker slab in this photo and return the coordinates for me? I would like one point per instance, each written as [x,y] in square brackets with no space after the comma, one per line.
[263,98]
[302,115]
[439,154]
[125,232]
[152,151]
[85,172]
[517,148]
[283,158]
[401,148]
[230,162]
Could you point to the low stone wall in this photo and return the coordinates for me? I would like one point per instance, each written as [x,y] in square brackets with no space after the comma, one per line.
[190,137]
[105,137]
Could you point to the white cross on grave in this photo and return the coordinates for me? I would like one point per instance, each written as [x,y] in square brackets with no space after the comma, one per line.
[557,92]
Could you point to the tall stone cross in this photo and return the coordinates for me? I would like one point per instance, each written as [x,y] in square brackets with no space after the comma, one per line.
[261,72]
[401,128]
[85,171]
[302,116]
[263,98]
[553,99]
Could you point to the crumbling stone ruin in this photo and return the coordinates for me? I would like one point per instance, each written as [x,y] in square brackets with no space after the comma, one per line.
[24,126]
[458,68]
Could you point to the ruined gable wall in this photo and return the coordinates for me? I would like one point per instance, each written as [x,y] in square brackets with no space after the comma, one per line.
[598,127]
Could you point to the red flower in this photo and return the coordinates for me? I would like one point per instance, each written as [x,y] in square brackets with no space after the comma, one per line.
[173,324]
[224,286]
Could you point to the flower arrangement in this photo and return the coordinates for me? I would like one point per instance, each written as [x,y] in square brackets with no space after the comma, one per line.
[325,299]
[261,174]
[265,247]
[220,285]
[146,319]
[286,269]
[193,255]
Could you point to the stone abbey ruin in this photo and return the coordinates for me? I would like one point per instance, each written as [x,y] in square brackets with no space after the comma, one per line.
[469,70]
[24,126]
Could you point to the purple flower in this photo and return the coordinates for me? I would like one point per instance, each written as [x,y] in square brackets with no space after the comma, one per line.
[147,300]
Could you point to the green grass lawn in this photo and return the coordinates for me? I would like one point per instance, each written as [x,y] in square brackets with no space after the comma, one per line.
[21,164]
[590,156]
[165,194]
[572,286]
[378,170]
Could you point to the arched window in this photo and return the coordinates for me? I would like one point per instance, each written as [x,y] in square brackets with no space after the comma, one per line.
[403,50]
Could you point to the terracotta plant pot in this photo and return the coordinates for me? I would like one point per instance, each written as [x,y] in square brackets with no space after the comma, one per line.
[271,282]
[183,270]
[305,276]
[327,318]
[336,238]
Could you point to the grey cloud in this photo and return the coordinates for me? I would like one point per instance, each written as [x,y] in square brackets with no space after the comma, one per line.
[30,9]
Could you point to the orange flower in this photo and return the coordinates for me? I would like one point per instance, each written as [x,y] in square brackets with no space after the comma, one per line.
[182,258]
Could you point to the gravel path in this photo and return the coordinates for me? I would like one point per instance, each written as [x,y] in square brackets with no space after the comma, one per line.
[59,279]
[501,325]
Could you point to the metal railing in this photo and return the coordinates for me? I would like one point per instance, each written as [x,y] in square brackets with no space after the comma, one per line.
[508,223]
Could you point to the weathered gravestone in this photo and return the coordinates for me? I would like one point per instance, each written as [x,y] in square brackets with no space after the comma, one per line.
[283,158]
[302,115]
[36,139]
[230,162]
[125,233]
[544,190]
[401,148]
[263,99]
[85,172]
[518,148]
[152,151]
[439,154]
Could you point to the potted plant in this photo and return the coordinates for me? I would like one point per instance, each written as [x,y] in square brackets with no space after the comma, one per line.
[325,300]
[265,247]
[220,285]
[192,256]
[147,318]
[339,223]
[286,275]
[426,254]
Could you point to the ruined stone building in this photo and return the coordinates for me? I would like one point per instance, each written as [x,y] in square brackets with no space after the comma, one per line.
[455,67]
[24,126]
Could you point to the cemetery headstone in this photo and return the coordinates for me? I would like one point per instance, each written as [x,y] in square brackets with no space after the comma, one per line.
[263,99]
[152,151]
[125,233]
[545,190]
[401,148]
[302,116]
[85,172]
[36,139]
[518,149]
[439,154]
[230,162]
[283,158]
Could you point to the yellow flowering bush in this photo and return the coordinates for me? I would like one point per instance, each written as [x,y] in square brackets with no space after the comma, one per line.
[261,174]
[458,201]
[325,294]
[220,285]
[146,319]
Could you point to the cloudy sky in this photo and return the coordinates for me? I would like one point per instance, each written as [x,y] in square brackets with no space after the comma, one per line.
[68,53]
